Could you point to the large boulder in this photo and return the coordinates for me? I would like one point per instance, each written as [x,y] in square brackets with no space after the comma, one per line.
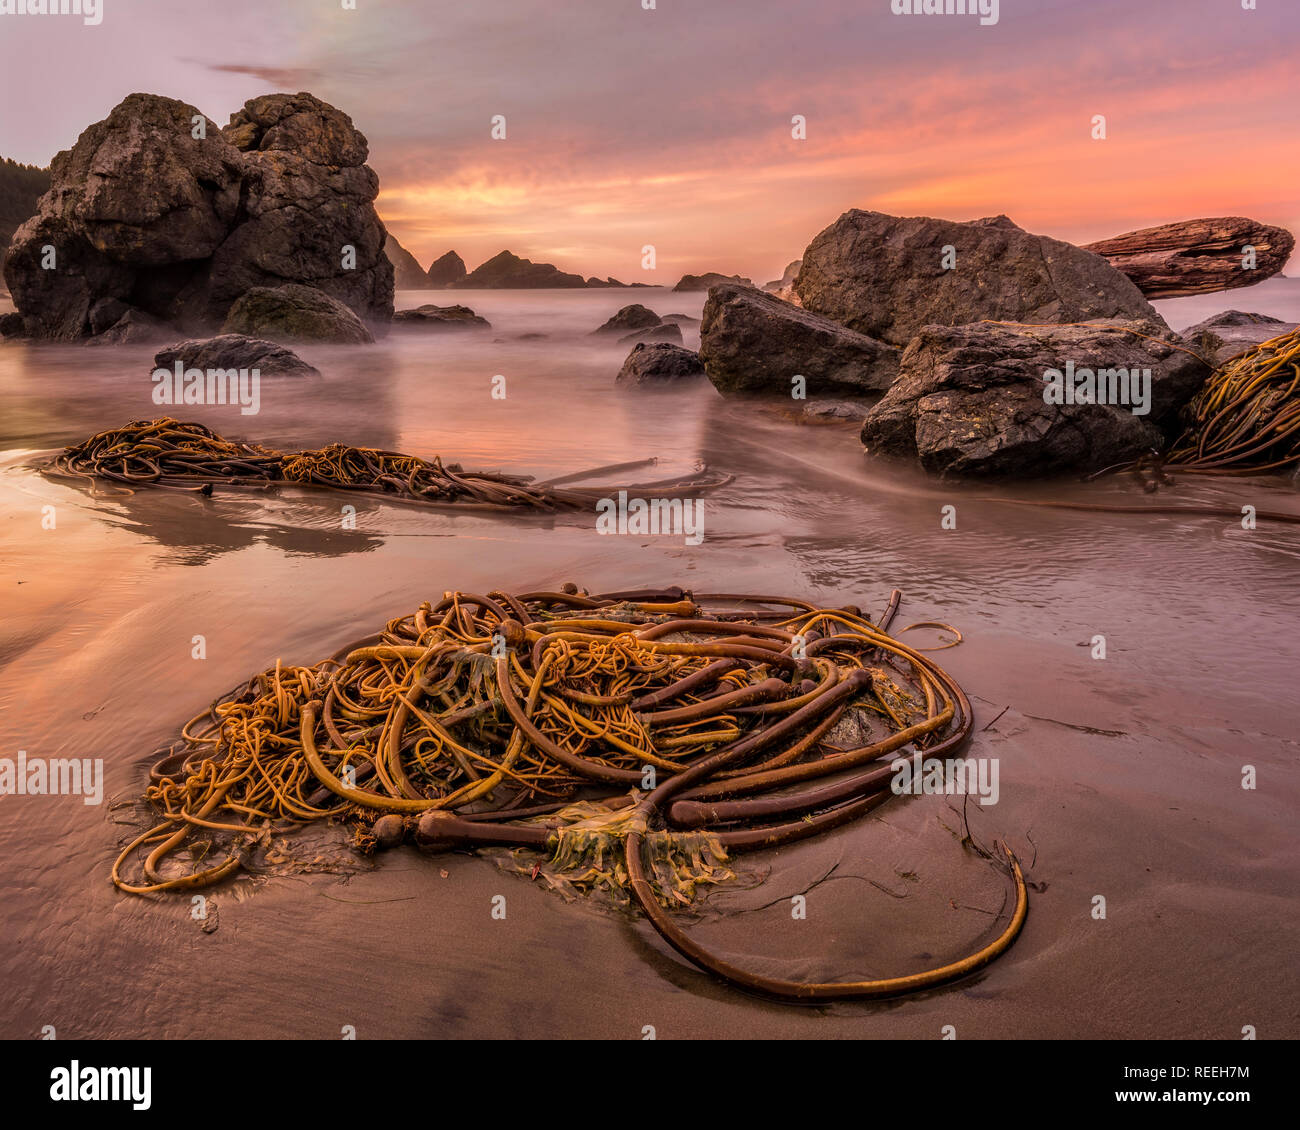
[634,317]
[177,226]
[1222,337]
[447,270]
[235,351]
[295,313]
[1198,256]
[980,400]
[509,272]
[308,196]
[708,280]
[407,272]
[433,317]
[658,364]
[884,276]
[752,342]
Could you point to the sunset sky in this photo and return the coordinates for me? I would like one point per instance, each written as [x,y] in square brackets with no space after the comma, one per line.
[672,126]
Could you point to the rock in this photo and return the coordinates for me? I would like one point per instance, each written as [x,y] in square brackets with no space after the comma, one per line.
[11,325]
[657,363]
[708,280]
[634,317]
[667,331]
[295,313]
[1197,256]
[509,272]
[389,831]
[135,327]
[784,286]
[883,276]
[235,351]
[308,194]
[831,411]
[105,313]
[447,271]
[970,400]
[1222,337]
[407,272]
[531,337]
[752,342]
[442,317]
[142,212]
[681,319]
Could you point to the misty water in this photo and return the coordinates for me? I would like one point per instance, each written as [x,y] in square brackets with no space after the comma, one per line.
[1119,777]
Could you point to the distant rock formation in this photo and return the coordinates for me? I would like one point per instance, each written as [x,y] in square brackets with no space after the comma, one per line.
[442,317]
[709,279]
[784,286]
[665,331]
[752,342]
[509,272]
[634,317]
[973,400]
[659,364]
[1198,256]
[235,351]
[447,271]
[884,276]
[295,313]
[407,272]
[178,227]
[1222,337]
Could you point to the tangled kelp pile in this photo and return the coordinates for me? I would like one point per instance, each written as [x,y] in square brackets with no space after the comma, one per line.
[1247,417]
[634,739]
[188,456]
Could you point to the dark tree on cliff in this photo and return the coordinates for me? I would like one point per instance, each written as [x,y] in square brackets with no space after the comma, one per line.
[21,186]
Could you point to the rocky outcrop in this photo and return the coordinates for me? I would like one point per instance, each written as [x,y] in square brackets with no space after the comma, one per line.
[634,317]
[295,313]
[509,272]
[783,287]
[447,270]
[982,400]
[442,318]
[407,272]
[177,226]
[11,325]
[681,319]
[1225,335]
[1198,256]
[235,351]
[752,342]
[659,363]
[884,276]
[709,279]
[665,331]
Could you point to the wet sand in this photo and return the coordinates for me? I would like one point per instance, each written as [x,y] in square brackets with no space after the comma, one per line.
[1119,777]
